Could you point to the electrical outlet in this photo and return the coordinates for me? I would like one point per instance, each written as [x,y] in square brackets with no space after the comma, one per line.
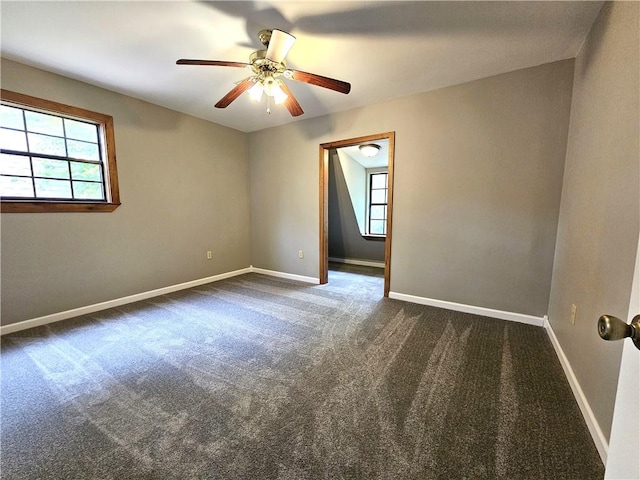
[574,309]
[300,254]
[209,255]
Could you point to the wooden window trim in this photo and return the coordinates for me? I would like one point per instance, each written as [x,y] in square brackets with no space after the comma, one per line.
[105,124]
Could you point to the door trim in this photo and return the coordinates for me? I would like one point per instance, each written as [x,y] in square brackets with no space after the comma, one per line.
[324,202]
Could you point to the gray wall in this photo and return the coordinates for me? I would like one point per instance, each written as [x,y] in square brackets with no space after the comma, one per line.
[184,190]
[598,225]
[345,239]
[478,177]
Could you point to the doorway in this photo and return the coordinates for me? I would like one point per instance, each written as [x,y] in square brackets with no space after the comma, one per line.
[324,152]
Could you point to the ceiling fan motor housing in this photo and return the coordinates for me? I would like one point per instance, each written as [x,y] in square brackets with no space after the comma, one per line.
[264,67]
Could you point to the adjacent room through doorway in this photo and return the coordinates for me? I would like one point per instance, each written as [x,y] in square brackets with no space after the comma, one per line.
[356,202]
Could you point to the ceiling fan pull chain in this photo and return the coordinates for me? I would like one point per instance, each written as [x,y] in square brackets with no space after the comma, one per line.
[268,104]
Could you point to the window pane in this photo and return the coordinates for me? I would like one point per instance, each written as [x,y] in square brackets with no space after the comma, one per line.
[43,167]
[379,180]
[53,188]
[83,150]
[86,171]
[13,140]
[14,165]
[88,191]
[11,117]
[56,154]
[46,145]
[377,227]
[378,196]
[16,187]
[81,131]
[42,123]
[378,212]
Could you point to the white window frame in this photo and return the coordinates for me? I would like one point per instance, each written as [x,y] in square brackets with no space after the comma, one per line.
[369,172]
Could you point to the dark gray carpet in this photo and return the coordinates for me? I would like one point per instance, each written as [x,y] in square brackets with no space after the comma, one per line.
[261,378]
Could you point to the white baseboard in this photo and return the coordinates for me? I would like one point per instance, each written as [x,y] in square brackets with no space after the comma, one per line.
[460,307]
[354,261]
[290,276]
[96,307]
[602,445]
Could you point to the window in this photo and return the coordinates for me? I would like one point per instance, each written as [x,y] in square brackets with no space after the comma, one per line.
[55,158]
[378,189]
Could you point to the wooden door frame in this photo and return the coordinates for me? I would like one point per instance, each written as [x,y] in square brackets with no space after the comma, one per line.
[324,202]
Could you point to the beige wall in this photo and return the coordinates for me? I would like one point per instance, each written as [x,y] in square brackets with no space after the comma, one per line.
[478,177]
[598,225]
[184,190]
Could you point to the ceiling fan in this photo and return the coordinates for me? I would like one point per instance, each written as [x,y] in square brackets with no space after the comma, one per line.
[267,66]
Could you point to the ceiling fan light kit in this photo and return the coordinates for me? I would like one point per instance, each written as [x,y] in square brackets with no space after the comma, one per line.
[271,88]
[267,65]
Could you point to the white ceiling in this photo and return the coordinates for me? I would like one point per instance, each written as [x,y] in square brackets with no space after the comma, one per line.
[385,49]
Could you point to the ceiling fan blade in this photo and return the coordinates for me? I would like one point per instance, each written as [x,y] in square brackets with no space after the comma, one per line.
[279,45]
[291,103]
[186,61]
[235,92]
[320,81]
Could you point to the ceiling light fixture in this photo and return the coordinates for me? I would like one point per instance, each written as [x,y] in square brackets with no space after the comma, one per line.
[271,88]
[369,149]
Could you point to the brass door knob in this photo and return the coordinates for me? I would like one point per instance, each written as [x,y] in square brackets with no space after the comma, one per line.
[612,328]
